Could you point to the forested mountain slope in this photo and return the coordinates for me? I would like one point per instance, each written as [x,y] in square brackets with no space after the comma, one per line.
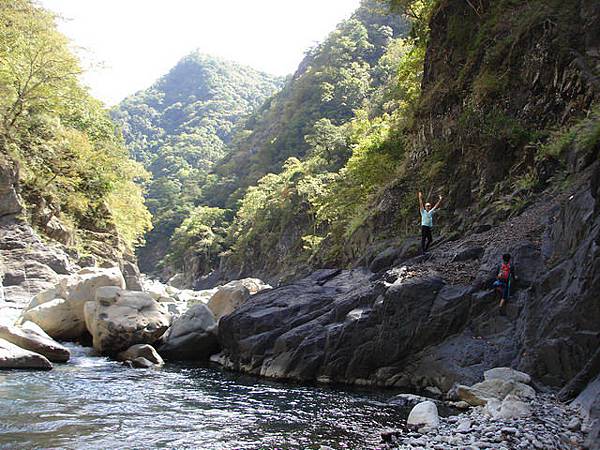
[480,105]
[352,73]
[179,127]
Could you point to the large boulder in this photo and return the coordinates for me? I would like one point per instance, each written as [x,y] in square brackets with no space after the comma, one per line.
[57,318]
[424,414]
[30,336]
[118,319]
[193,336]
[228,298]
[14,357]
[145,351]
[81,287]
[496,389]
[511,407]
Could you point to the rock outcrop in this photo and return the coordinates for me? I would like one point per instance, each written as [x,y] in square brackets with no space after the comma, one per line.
[118,319]
[434,321]
[14,357]
[193,336]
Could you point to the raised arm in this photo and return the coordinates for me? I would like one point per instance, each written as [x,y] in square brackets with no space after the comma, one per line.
[437,205]
[421,208]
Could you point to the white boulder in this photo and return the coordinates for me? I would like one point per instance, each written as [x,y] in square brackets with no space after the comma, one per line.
[141,351]
[14,357]
[233,294]
[506,374]
[30,336]
[424,414]
[57,318]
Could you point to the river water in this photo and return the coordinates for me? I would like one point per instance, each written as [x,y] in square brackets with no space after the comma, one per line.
[95,403]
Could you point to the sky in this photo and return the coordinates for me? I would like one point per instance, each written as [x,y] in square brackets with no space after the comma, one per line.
[125,45]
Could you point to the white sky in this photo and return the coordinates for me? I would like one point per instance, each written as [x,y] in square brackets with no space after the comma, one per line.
[128,44]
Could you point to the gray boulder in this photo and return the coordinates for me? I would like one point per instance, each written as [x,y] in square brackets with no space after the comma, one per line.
[118,319]
[193,336]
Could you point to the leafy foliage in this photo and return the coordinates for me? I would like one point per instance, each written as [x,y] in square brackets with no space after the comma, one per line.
[73,163]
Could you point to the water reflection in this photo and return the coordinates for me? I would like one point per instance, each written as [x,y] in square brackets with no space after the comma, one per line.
[95,403]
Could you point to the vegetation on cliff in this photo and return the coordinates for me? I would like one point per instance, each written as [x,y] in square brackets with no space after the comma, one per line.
[179,127]
[467,105]
[75,171]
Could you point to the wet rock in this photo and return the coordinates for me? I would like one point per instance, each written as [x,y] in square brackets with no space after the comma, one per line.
[118,319]
[424,414]
[30,336]
[193,336]
[144,351]
[14,357]
[406,400]
[142,363]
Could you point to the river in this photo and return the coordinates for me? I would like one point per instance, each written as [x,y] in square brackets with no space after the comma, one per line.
[95,403]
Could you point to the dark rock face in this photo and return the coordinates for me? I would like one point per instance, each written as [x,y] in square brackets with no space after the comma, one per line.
[411,327]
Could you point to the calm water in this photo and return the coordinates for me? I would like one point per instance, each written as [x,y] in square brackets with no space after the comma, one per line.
[94,403]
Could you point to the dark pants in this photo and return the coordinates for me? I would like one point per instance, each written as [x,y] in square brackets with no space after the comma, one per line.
[504,287]
[426,237]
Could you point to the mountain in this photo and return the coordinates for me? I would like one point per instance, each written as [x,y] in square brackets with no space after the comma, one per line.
[179,127]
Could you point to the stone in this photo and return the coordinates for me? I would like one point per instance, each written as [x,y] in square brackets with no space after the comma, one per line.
[81,287]
[512,408]
[131,275]
[468,253]
[10,202]
[193,336]
[463,426]
[506,374]
[142,363]
[43,297]
[480,393]
[424,414]
[57,318]
[58,231]
[228,298]
[573,425]
[14,357]
[30,336]
[141,351]
[118,319]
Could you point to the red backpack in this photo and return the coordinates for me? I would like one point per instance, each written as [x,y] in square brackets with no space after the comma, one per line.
[504,273]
